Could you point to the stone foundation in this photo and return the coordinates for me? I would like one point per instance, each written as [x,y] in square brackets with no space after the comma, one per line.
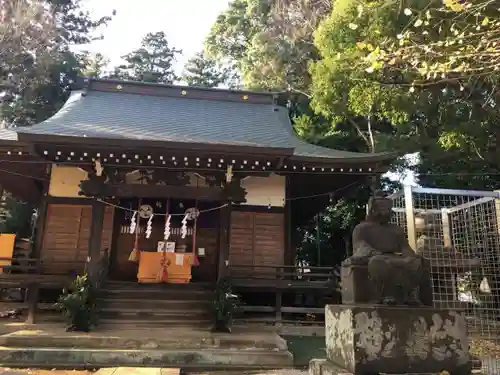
[383,339]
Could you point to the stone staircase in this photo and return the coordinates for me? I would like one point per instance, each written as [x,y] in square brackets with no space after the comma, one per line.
[50,346]
[129,304]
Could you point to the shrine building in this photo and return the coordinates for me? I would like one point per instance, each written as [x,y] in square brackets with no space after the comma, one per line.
[172,184]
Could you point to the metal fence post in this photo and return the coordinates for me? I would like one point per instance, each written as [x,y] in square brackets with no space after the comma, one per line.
[497,211]
[410,217]
[447,243]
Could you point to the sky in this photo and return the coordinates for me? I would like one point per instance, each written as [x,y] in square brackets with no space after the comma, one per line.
[185,23]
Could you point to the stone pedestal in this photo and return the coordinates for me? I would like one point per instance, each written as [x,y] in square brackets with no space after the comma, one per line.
[381,339]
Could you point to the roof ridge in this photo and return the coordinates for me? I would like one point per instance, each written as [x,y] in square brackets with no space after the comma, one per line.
[87,81]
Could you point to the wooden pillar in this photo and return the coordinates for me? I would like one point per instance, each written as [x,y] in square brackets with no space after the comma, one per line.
[37,238]
[32,297]
[224,239]
[279,317]
[33,291]
[39,230]
[280,272]
[289,253]
[96,227]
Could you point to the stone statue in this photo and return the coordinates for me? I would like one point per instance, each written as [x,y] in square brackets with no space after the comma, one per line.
[393,267]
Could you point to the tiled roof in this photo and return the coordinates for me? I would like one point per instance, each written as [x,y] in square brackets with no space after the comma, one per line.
[119,115]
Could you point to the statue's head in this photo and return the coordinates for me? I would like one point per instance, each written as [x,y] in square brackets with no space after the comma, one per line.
[379,208]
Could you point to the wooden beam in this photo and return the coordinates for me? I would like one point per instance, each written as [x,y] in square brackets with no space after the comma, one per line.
[90,188]
[68,200]
[95,239]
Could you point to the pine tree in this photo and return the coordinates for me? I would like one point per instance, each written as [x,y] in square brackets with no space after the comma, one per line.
[203,71]
[152,62]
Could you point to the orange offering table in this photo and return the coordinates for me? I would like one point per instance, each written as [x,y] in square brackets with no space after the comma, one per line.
[178,267]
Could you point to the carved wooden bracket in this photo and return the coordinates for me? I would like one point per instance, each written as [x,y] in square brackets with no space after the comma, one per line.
[162,176]
[163,184]
[234,191]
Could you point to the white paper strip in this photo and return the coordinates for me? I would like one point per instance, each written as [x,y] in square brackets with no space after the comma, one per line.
[133,223]
[179,259]
[149,226]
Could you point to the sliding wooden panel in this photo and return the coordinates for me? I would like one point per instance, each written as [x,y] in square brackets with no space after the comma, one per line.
[66,237]
[257,239]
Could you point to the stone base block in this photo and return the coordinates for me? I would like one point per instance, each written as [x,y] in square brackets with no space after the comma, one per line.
[325,367]
[358,288]
[356,284]
[397,340]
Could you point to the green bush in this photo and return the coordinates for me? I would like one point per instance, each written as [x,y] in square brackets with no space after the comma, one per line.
[225,303]
[79,305]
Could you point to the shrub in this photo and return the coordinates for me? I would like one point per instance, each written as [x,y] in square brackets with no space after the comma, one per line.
[79,305]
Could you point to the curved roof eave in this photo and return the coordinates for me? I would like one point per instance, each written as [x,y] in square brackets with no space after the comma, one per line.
[119,116]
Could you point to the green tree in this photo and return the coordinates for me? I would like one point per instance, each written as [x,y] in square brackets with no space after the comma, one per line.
[152,62]
[445,42]
[203,71]
[453,129]
[344,94]
[37,67]
[94,65]
[268,42]
[271,44]
[446,54]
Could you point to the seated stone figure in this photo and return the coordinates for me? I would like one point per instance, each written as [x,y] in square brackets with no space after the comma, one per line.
[396,272]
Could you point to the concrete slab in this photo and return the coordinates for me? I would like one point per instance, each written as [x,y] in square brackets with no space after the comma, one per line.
[43,336]
[98,358]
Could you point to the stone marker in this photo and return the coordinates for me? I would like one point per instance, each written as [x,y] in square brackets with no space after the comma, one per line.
[389,325]
[368,339]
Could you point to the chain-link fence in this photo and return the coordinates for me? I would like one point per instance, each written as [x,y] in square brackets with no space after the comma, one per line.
[459,232]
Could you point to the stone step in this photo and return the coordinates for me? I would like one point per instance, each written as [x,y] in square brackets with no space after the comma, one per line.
[34,357]
[160,286]
[156,294]
[131,339]
[174,304]
[159,323]
[153,314]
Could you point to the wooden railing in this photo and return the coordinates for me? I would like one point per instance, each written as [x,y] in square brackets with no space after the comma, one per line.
[283,277]
[33,274]
[279,280]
